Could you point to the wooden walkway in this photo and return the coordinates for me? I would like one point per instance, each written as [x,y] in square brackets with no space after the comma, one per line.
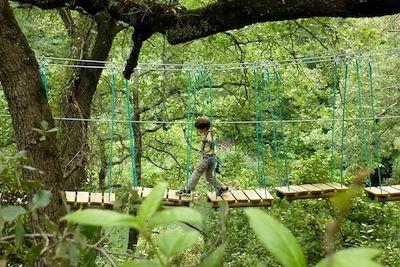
[87,199]
[307,191]
[388,193]
[170,197]
[242,198]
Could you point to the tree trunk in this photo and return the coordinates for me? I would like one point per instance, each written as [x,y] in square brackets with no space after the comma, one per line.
[28,106]
[77,103]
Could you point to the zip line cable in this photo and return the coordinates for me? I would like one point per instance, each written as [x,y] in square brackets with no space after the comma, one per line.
[211,66]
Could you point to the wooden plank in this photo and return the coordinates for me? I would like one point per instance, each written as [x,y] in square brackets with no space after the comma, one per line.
[286,191]
[146,192]
[139,190]
[391,190]
[396,186]
[82,197]
[299,190]
[312,188]
[166,194]
[376,191]
[264,194]
[172,196]
[109,198]
[70,196]
[337,186]
[96,198]
[239,195]
[325,187]
[228,197]
[213,197]
[252,195]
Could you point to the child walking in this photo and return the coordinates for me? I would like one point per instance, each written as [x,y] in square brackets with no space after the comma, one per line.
[206,165]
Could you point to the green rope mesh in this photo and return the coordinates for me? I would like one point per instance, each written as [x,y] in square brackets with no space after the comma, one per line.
[335,74]
[256,107]
[203,92]
[131,140]
[262,108]
[271,110]
[259,114]
[43,75]
[346,77]
[111,129]
[278,91]
[210,86]
[361,114]
[189,129]
[376,143]
[195,87]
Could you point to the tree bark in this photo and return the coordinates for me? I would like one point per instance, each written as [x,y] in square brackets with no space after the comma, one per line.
[28,106]
[77,103]
[181,25]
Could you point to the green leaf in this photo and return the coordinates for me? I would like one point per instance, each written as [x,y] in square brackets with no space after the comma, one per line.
[276,238]
[73,254]
[215,258]
[44,125]
[41,199]
[353,257]
[104,218]
[172,242]
[42,138]
[396,143]
[34,253]
[90,258]
[172,215]
[19,234]
[51,227]
[52,130]
[89,231]
[10,213]
[150,205]
[40,131]
[141,263]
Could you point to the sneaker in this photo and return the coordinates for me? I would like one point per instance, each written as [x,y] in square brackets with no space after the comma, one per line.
[222,190]
[183,192]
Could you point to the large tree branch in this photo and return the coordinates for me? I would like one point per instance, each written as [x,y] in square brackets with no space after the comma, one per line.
[181,25]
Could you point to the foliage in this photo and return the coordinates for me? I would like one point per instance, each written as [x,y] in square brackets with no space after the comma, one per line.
[306,95]
[167,244]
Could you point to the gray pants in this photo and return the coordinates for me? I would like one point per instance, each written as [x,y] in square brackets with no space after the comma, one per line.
[204,166]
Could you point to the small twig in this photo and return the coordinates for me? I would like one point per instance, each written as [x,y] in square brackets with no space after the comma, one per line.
[104,253]
[32,236]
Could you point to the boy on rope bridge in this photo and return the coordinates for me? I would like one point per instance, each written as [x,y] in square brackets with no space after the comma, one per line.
[206,165]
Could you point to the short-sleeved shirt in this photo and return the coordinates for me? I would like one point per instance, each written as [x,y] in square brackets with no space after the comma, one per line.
[207,143]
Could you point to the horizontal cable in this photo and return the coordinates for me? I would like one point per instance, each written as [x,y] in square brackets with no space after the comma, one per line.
[101,120]
[219,66]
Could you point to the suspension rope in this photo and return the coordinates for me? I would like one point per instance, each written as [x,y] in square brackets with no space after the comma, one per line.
[262,108]
[131,140]
[43,75]
[271,110]
[371,91]
[189,129]
[111,129]
[361,115]
[203,92]
[346,77]
[277,82]
[256,108]
[335,74]
[213,158]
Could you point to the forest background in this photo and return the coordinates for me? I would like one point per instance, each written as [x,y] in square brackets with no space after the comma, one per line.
[161,95]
